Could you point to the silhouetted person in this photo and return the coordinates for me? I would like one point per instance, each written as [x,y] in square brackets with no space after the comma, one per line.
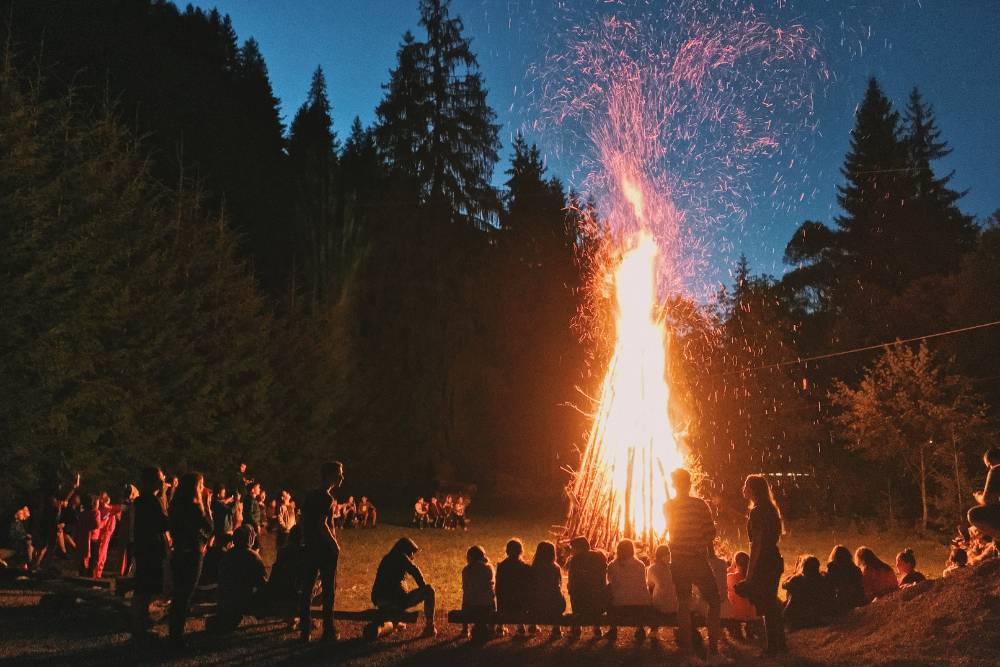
[190,530]
[388,591]
[809,600]
[588,580]
[692,533]
[957,561]
[906,569]
[764,528]
[627,584]
[514,583]
[151,547]
[242,576]
[546,579]
[845,580]
[319,538]
[478,593]
[986,515]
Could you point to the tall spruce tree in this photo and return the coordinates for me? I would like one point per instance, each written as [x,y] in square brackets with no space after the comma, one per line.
[312,156]
[435,126]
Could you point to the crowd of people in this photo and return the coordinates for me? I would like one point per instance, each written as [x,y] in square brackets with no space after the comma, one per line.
[442,511]
[183,528]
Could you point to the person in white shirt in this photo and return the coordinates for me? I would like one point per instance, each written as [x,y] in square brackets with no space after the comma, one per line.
[627,585]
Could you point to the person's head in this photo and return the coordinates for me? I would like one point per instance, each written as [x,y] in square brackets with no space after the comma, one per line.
[74,500]
[681,481]
[189,488]
[906,561]
[332,474]
[757,490]
[364,499]
[809,566]
[742,560]
[151,479]
[285,497]
[105,498]
[514,548]
[130,493]
[545,554]
[662,554]
[93,502]
[262,496]
[221,492]
[841,555]
[255,490]
[434,500]
[22,513]
[958,556]
[406,547]
[244,537]
[579,545]
[992,456]
[476,554]
[243,467]
[866,559]
[625,550]
[447,498]
[420,500]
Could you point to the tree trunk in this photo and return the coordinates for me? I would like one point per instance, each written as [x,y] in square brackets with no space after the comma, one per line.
[923,489]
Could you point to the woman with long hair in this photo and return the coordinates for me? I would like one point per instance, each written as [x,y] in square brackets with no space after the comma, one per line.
[878,576]
[764,527]
[190,529]
[845,579]
[547,599]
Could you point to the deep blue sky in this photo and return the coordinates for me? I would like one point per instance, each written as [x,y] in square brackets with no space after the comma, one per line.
[946,47]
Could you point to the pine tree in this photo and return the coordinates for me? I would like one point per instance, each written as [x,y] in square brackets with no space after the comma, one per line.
[312,155]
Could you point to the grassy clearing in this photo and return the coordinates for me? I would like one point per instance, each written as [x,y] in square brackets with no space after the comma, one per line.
[442,554]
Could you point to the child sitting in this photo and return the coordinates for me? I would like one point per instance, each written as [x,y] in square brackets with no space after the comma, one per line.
[514,583]
[627,585]
[877,576]
[477,591]
[740,607]
[906,567]
[958,559]
[986,515]
[809,599]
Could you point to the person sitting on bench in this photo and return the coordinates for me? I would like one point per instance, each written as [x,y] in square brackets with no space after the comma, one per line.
[588,580]
[478,593]
[242,576]
[546,600]
[388,592]
[514,583]
[627,585]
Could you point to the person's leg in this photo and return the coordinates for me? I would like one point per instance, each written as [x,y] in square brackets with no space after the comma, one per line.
[309,572]
[186,568]
[328,576]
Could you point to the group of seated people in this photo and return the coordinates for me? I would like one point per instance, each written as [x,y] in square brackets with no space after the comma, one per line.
[351,514]
[448,512]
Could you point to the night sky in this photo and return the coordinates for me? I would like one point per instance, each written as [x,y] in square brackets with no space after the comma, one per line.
[946,47]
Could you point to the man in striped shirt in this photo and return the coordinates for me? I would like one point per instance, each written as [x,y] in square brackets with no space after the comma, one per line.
[691,533]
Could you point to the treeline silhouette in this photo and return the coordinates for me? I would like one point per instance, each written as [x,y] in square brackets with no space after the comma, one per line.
[185,280]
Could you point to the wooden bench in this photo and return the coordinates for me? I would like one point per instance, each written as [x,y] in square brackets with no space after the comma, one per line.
[632,618]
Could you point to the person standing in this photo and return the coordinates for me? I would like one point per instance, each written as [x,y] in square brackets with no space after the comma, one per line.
[692,533]
[764,528]
[151,547]
[319,538]
[190,528]
[286,519]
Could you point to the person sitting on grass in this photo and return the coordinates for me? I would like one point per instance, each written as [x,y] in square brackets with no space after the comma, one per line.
[478,593]
[809,600]
[367,514]
[986,515]
[627,586]
[546,599]
[285,581]
[420,511]
[877,576]
[388,591]
[514,583]
[845,580]
[448,512]
[587,569]
[740,607]
[958,560]
[906,567]
[349,514]
[242,576]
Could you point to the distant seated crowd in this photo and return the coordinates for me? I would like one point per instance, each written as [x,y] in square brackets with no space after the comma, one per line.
[447,512]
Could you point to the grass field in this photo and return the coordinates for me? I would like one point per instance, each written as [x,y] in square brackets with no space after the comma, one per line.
[442,553]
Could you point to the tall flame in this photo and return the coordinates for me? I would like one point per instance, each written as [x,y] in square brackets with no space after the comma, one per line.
[622,484]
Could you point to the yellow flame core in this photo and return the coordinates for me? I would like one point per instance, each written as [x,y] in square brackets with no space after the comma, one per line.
[631,449]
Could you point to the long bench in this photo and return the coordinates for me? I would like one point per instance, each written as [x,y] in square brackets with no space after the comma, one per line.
[626,618]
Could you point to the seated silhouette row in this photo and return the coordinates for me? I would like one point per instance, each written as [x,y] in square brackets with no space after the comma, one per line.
[448,512]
